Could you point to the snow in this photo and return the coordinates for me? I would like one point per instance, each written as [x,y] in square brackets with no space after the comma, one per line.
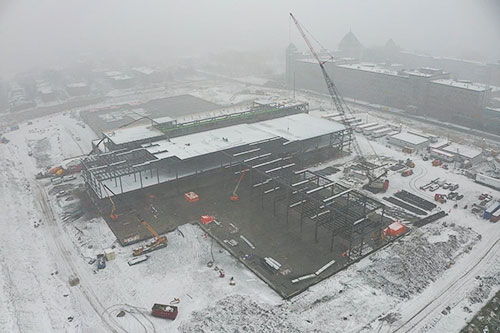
[462,150]
[410,138]
[207,142]
[296,127]
[36,298]
[130,134]
[461,84]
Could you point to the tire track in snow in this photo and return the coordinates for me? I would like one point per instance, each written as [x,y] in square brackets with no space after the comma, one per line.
[58,237]
[450,291]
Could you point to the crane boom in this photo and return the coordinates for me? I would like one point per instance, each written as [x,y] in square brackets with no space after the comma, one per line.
[151,230]
[337,99]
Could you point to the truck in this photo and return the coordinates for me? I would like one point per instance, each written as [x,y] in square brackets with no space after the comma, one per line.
[491,209]
[409,163]
[441,198]
[407,173]
[164,311]
[488,181]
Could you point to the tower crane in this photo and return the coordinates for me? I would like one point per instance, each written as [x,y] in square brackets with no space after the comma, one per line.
[342,107]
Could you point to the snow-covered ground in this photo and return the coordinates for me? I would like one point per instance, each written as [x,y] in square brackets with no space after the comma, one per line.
[41,251]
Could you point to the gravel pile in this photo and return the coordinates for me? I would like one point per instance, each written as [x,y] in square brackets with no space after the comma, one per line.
[411,264]
[239,314]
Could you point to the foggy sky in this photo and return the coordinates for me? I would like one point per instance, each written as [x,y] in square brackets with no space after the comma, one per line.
[50,33]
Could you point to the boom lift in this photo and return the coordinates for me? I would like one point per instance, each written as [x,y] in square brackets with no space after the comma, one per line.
[234,195]
[157,243]
[341,107]
[113,214]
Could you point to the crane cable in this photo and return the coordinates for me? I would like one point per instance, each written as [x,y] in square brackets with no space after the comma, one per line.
[339,95]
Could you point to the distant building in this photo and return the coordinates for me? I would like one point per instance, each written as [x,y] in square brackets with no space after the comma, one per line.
[148,75]
[464,153]
[77,89]
[461,102]
[119,80]
[350,46]
[491,119]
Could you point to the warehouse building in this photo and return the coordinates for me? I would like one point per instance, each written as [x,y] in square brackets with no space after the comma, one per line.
[407,140]
[464,153]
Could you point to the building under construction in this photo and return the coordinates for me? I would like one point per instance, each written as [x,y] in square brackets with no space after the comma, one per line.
[291,226]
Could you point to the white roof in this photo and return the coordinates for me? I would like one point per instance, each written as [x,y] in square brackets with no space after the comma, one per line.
[464,151]
[77,85]
[410,138]
[165,119]
[296,127]
[145,70]
[299,126]
[370,68]
[461,84]
[130,134]
[442,152]
[207,142]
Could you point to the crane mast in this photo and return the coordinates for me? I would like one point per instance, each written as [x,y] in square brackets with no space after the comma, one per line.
[337,99]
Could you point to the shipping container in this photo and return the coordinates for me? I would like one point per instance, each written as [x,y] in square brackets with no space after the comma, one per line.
[488,181]
[492,208]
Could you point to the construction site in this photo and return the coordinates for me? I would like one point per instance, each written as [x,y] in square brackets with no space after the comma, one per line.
[228,204]
[246,184]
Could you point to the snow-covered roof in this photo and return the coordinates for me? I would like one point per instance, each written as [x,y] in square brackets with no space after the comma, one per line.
[410,138]
[370,68]
[121,77]
[207,142]
[165,119]
[113,73]
[464,151]
[442,152]
[145,70]
[292,128]
[299,126]
[77,85]
[461,84]
[131,134]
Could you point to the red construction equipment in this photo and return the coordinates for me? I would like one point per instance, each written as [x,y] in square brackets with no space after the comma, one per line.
[395,229]
[441,198]
[436,163]
[164,311]
[191,197]
[206,219]
[234,196]
[407,173]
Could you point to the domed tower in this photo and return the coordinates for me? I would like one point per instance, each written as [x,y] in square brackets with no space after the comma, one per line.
[350,46]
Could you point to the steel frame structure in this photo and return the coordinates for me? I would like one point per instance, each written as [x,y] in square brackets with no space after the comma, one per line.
[345,212]
[122,162]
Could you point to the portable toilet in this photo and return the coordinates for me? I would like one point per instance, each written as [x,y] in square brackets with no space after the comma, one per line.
[109,254]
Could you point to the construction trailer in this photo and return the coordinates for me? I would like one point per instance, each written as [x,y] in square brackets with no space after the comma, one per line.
[488,181]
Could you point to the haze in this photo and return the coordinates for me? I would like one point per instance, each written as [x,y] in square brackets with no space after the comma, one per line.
[44,34]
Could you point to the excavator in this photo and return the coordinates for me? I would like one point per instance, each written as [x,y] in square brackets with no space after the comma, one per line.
[156,243]
[341,106]
[234,195]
